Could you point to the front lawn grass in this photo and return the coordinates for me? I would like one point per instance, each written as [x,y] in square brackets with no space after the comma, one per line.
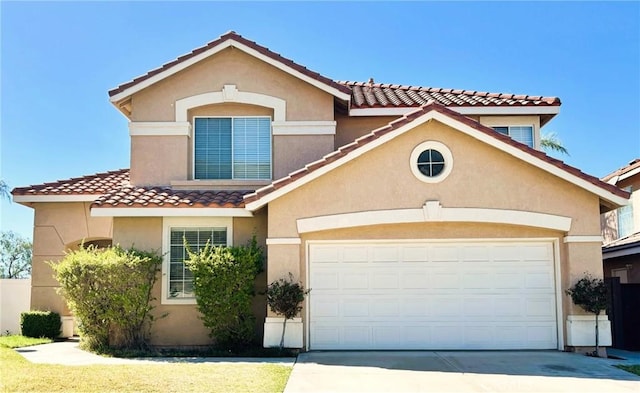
[634,369]
[13,341]
[19,375]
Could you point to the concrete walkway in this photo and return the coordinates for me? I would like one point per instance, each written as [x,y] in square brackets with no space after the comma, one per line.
[68,353]
[483,371]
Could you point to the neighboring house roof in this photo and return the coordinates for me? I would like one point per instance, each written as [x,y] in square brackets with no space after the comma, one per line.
[628,245]
[86,187]
[609,193]
[167,197]
[379,95]
[624,241]
[212,47]
[623,173]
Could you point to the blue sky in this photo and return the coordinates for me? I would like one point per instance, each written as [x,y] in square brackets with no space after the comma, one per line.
[59,59]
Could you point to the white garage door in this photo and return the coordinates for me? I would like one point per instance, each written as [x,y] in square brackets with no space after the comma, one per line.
[440,295]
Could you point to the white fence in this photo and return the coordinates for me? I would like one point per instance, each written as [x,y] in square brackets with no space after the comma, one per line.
[15,298]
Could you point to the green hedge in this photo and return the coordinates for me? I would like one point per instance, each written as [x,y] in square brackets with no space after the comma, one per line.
[40,324]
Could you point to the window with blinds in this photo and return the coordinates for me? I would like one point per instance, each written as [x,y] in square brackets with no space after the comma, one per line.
[180,277]
[232,148]
[522,134]
[625,219]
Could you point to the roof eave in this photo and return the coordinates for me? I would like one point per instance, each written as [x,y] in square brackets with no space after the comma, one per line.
[121,96]
[446,116]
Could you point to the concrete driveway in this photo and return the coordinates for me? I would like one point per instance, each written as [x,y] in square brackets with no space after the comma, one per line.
[458,371]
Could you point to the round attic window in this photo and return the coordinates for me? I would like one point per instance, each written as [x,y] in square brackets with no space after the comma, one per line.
[431,162]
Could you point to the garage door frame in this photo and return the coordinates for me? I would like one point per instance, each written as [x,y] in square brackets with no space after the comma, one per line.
[556,270]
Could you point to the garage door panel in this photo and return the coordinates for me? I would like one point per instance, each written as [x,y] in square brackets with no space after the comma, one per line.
[432,296]
[415,279]
[358,254]
[385,254]
[415,254]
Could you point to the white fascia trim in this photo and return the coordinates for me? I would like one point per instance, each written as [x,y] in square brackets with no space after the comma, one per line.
[433,212]
[583,239]
[169,212]
[212,51]
[463,110]
[55,198]
[304,127]
[231,94]
[621,253]
[453,123]
[159,128]
[628,174]
[381,111]
[283,241]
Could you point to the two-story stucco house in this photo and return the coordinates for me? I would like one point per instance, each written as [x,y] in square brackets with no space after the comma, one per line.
[420,218]
[621,228]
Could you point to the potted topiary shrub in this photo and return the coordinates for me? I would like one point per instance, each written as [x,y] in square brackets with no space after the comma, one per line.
[590,294]
[285,298]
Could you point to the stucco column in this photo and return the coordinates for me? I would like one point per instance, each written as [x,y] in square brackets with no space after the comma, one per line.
[283,259]
[581,258]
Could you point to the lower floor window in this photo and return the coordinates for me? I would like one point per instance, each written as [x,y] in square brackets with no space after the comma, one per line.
[180,277]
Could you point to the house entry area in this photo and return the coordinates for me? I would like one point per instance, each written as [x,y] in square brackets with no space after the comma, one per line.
[432,295]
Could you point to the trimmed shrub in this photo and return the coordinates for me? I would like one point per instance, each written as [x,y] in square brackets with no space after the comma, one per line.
[224,286]
[285,297]
[109,292]
[39,324]
[591,294]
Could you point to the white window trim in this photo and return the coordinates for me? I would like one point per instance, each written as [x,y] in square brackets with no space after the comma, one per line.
[186,222]
[193,146]
[446,154]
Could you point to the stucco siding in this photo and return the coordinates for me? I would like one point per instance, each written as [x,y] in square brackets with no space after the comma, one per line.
[349,128]
[156,160]
[292,152]
[232,66]
[482,177]
[58,227]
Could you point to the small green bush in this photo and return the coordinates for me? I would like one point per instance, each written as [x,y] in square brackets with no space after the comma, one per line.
[40,324]
[224,280]
[109,292]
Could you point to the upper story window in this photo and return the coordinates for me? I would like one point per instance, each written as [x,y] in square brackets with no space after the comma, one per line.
[522,134]
[625,219]
[232,148]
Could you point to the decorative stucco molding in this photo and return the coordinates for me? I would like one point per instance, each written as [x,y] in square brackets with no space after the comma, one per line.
[583,239]
[304,127]
[581,330]
[169,212]
[230,93]
[283,241]
[273,332]
[160,128]
[432,211]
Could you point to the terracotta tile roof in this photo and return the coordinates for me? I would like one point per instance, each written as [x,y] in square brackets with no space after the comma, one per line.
[251,44]
[379,95]
[406,119]
[626,169]
[97,184]
[167,197]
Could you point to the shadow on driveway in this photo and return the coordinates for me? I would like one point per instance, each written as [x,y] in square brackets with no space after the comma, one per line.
[497,371]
